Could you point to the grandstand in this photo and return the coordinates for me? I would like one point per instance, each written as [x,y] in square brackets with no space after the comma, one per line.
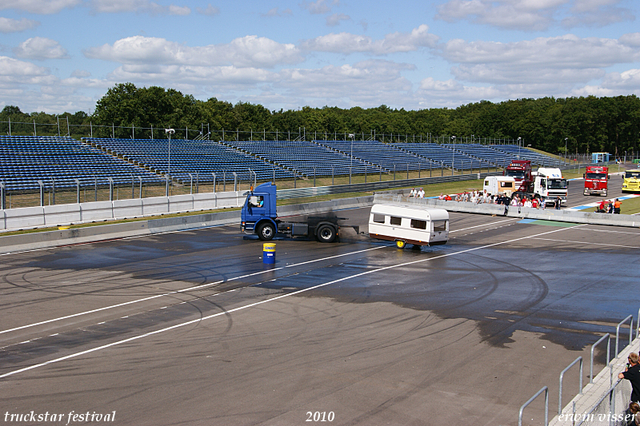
[200,158]
[442,155]
[381,154]
[59,161]
[485,153]
[523,153]
[28,163]
[306,158]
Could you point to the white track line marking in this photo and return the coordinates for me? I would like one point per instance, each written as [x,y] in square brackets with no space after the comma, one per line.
[273,299]
[184,290]
[583,243]
[486,224]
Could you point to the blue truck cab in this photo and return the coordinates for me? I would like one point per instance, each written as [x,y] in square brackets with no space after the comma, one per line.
[259,213]
[259,216]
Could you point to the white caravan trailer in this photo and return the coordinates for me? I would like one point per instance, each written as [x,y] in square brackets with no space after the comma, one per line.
[495,185]
[409,225]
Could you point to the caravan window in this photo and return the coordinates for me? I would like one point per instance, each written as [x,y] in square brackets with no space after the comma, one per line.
[439,225]
[396,220]
[418,224]
[378,218]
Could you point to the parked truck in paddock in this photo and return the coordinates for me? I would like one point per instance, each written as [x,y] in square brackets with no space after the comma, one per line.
[259,216]
[596,180]
[631,181]
[409,225]
[549,184]
[520,171]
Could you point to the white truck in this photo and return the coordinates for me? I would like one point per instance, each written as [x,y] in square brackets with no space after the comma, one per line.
[548,184]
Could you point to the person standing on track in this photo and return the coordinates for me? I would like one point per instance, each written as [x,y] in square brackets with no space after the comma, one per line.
[632,373]
[616,206]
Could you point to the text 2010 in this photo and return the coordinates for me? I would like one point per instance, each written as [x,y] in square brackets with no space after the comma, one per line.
[320,416]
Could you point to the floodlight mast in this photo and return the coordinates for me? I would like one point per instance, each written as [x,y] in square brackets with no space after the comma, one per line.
[169,132]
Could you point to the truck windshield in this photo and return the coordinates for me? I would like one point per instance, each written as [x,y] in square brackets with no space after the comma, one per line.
[557,183]
[597,176]
[632,174]
[517,174]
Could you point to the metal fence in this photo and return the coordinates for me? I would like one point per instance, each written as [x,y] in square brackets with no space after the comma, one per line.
[609,408]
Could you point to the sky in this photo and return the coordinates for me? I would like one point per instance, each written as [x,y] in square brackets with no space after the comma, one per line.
[64,55]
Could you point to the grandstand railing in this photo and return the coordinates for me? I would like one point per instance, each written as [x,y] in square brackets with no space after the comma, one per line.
[611,402]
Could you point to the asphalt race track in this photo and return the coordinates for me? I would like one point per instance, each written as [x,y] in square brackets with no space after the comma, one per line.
[191,328]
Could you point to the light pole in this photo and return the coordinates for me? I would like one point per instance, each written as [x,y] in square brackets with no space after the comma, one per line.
[351,136]
[519,140]
[565,150]
[453,154]
[169,132]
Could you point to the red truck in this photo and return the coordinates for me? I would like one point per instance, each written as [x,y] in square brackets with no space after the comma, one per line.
[596,180]
[520,170]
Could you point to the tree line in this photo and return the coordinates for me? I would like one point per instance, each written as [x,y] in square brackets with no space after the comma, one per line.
[581,124]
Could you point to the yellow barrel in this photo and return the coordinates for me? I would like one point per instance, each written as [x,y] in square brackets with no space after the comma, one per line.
[269,253]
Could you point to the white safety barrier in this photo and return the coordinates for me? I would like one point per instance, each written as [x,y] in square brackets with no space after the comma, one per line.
[71,214]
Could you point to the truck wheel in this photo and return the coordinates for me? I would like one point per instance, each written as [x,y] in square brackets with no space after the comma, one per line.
[326,234]
[400,244]
[266,232]
[586,192]
[604,192]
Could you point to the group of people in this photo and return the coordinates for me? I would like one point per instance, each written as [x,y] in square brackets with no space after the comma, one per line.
[475,197]
[417,193]
[610,206]
[478,197]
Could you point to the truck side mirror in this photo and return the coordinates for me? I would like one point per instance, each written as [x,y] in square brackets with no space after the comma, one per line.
[584,176]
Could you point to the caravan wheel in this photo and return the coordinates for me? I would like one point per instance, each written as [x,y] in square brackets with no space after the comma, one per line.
[400,244]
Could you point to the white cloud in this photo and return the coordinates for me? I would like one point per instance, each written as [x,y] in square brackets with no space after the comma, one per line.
[628,80]
[43,7]
[277,12]
[513,14]
[248,51]
[40,48]
[335,19]
[598,17]
[534,15]
[139,6]
[533,75]
[209,10]
[178,10]
[346,43]
[564,58]
[451,93]
[632,39]
[344,85]
[328,85]
[8,25]
[319,7]
[189,74]
[581,6]
[13,71]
